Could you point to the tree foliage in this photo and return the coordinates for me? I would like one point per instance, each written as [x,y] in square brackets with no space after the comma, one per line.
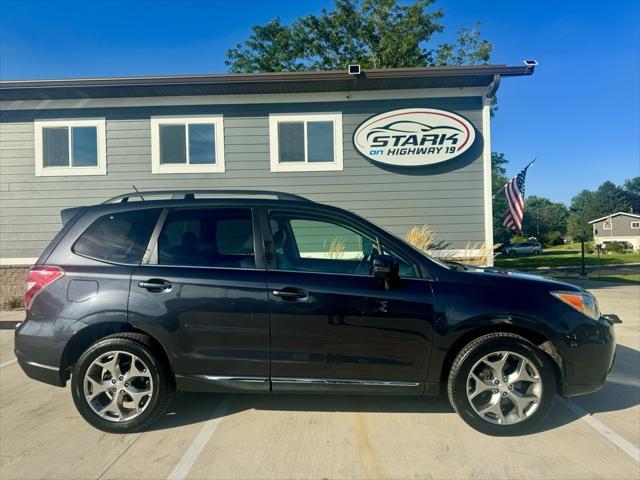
[498,179]
[632,185]
[373,33]
[544,219]
[607,199]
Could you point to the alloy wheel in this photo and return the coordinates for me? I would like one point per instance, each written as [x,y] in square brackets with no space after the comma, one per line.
[504,388]
[118,386]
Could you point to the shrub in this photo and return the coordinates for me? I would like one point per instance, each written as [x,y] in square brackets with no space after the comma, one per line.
[14,303]
[614,247]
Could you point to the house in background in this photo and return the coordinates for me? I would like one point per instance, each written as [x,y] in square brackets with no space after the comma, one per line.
[618,227]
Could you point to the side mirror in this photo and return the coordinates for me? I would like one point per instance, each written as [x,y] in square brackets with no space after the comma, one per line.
[384,267]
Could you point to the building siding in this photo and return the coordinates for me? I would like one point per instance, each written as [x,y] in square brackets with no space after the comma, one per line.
[449,196]
[621,227]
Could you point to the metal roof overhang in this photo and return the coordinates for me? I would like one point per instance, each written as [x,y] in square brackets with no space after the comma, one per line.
[260,83]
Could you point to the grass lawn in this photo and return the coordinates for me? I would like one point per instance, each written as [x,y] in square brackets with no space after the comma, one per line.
[564,257]
[631,278]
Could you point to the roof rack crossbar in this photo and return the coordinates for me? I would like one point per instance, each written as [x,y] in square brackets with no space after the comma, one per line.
[192,194]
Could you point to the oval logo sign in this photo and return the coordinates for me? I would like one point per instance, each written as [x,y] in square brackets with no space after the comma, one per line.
[414,136]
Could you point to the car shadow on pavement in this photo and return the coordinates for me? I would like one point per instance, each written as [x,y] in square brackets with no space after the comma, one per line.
[621,391]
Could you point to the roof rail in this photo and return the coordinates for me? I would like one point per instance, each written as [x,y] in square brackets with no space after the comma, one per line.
[192,194]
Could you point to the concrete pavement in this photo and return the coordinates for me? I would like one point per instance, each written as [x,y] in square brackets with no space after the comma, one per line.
[286,436]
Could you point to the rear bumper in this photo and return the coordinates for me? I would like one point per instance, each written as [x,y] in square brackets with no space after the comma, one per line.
[38,351]
[588,357]
[40,372]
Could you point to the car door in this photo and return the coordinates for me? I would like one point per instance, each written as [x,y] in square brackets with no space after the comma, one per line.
[333,326]
[202,294]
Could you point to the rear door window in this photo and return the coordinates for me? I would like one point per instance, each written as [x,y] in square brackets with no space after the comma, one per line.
[118,237]
[208,237]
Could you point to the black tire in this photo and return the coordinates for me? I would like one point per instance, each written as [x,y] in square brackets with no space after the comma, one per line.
[163,387]
[485,345]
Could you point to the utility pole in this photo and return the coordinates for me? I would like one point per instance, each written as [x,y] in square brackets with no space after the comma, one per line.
[583,273]
[584,234]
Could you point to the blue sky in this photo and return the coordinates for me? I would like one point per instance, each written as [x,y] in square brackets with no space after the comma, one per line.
[579,113]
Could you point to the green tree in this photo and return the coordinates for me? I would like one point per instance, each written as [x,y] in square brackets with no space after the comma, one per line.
[544,219]
[607,199]
[373,33]
[632,185]
[498,180]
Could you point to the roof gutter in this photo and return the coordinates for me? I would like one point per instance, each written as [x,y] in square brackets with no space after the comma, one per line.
[277,77]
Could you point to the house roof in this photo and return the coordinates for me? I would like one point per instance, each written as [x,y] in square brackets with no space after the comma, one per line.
[632,215]
[261,83]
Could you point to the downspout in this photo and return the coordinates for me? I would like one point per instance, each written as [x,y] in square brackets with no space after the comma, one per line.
[486,162]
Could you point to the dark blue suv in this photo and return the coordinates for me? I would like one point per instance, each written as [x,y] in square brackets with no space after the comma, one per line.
[245,291]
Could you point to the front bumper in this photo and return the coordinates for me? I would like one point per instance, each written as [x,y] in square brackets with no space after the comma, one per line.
[588,356]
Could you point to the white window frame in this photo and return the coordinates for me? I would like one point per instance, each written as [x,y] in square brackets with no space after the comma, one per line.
[306,166]
[635,225]
[607,226]
[100,169]
[216,120]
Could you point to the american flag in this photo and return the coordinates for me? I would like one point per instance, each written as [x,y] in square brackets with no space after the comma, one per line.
[515,199]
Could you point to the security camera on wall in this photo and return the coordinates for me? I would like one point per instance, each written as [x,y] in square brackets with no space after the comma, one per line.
[354,69]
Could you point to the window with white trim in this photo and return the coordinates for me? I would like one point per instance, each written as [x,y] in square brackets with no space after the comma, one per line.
[187,144]
[607,226]
[305,142]
[635,225]
[70,147]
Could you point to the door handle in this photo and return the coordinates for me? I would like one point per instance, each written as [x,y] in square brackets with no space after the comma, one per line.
[156,285]
[291,294]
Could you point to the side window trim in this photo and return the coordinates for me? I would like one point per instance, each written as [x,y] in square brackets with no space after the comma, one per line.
[151,252]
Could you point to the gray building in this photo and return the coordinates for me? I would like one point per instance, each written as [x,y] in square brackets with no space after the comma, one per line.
[402,147]
[618,227]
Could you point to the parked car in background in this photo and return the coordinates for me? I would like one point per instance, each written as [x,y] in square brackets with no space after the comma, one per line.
[133,300]
[524,248]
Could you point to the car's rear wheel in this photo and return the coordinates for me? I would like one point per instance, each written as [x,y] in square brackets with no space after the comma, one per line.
[502,384]
[120,384]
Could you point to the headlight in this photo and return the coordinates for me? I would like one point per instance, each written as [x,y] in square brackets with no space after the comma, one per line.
[583,302]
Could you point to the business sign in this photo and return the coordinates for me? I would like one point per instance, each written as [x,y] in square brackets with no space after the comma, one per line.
[414,136]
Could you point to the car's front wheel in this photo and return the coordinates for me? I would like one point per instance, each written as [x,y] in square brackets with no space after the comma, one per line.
[502,384]
[120,384]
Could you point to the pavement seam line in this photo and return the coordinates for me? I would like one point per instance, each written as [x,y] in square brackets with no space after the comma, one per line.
[119,457]
[10,362]
[183,467]
[623,444]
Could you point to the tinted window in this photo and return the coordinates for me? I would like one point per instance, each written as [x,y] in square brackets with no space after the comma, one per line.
[202,147]
[320,141]
[318,245]
[84,141]
[118,237]
[211,237]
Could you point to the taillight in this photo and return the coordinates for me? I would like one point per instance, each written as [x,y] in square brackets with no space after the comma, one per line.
[38,278]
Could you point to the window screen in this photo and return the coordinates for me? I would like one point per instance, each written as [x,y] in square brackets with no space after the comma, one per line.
[208,237]
[173,144]
[55,142]
[118,237]
[291,141]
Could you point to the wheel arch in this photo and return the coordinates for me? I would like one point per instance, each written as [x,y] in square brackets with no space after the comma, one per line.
[90,334]
[539,339]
